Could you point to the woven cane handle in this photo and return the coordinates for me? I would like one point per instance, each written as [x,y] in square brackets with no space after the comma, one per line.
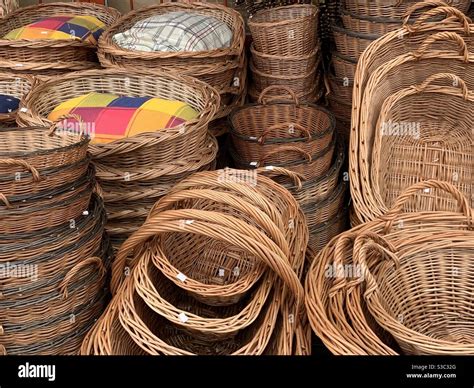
[24,164]
[57,124]
[5,201]
[444,36]
[421,5]
[271,170]
[278,150]
[287,125]
[291,93]
[97,261]
[397,208]
[443,10]
[453,79]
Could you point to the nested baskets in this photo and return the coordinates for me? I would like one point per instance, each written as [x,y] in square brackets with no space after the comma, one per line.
[289,30]
[414,143]
[394,9]
[261,128]
[339,289]
[368,25]
[173,143]
[172,304]
[343,66]
[351,44]
[285,64]
[48,54]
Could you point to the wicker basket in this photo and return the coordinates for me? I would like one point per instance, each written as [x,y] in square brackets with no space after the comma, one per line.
[310,96]
[174,143]
[386,81]
[112,54]
[369,25]
[29,213]
[41,148]
[289,30]
[387,49]
[283,122]
[335,301]
[394,9]
[306,165]
[439,147]
[7,7]
[320,235]
[340,108]
[351,44]
[284,65]
[298,83]
[15,85]
[37,55]
[344,67]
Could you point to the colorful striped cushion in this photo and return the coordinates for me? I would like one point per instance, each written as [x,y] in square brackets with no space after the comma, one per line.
[108,117]
[85,28]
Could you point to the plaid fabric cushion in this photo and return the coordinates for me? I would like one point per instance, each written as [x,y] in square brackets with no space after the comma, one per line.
[85,28]
[176,31]
[108,117]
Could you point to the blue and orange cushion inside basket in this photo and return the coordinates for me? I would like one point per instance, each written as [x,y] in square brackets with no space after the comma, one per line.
[84,28]
[109,117]
[8,104]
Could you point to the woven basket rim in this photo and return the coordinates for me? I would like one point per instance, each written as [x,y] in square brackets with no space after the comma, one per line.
[354,34]
[343,58]
[284,57]
[233,131]
[252,19]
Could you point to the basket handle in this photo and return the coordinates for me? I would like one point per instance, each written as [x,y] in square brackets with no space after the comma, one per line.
[443,10]
[278,150]
[420,5]
[448,36]
[57,124]
[22,163]
[454,79]
[168,221]
[5,200]
[291,127]
[262,100]
[97,261]
[397,208]
[296,177]
[362,245]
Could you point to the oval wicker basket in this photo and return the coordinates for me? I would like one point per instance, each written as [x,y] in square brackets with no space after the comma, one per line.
[285,64]
[42,54]
[306,126]
[369,25]
[15,85]
[340,89]
[320,235]
[394,9]
[431,146]
[289,30]
[173,143]
[351,44]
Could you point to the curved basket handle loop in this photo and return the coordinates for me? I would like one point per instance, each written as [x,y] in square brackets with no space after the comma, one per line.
[22,163]
[97,261]
[272,170]
[447,187]
[262,100]
[454,80]
[287,125]
[57,125]
[264,157]
[447,36]
[443,10]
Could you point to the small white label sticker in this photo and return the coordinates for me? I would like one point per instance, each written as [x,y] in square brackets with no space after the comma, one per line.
[269,168]
[181,276]
[183,317]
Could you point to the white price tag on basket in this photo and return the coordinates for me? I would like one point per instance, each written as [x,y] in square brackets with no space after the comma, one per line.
[183,317]
[254,164]
[24,110]
[181,276]
[269,168]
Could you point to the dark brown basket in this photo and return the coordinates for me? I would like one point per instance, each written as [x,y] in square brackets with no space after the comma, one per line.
[340,89]
[258,129]
[321,234]
[369,25]
[344,67]
[340,108]
[289,30]
[351,44]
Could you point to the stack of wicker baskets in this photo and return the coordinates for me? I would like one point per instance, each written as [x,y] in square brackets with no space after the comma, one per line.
[285,51]
[48,57]
[52,252]
[398,284]
[362,22]
[224,69]
[395,140]
[300,138]
[136,171]
[214,270]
